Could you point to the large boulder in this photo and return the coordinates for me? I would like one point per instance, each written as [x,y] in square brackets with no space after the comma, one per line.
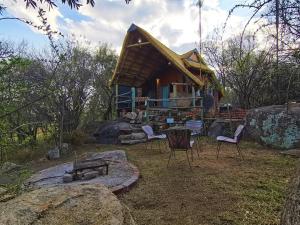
[109,131]
[216,128]
[73,205]
[275,126]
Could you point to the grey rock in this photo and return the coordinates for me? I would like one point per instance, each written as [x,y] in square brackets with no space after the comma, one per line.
[132,136]
[53,154]
[132,142]
[100,171]
[139,117]
[90,175]
[119,171]
[216,128]
[65,148]
[109,132]
[73,205]
[130,116]
[67,178]
[119,155]
[274,126]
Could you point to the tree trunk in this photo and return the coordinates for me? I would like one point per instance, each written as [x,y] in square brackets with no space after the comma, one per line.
[291,211]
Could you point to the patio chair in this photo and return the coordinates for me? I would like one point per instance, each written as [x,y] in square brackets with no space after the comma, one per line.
[151,136]
[196,126]
[235,140]
[180,140]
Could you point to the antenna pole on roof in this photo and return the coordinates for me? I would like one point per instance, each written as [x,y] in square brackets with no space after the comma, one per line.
[200,3]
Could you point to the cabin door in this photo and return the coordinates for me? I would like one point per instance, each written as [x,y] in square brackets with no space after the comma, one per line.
[165,96]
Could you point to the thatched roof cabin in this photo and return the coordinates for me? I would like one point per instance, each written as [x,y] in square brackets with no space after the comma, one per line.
[148,64]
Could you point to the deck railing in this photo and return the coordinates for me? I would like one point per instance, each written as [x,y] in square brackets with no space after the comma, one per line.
[168,105]
[171,104]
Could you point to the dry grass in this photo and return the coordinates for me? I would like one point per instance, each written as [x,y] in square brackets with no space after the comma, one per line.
[226,191]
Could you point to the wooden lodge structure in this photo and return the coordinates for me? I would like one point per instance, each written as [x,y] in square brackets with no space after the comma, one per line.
[151,77]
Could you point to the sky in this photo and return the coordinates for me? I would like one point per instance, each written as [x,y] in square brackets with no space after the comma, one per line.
[173,22]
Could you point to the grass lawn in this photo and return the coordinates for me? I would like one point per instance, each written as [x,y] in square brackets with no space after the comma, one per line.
[224,191]
[217,191]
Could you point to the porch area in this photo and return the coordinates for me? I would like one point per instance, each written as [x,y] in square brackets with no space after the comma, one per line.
[168,101]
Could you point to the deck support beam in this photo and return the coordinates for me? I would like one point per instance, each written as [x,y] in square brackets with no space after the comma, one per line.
[117,98]
[194,96]
[175,94]
[133,99]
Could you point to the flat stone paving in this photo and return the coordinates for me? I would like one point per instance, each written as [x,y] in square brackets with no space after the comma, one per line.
[121,173]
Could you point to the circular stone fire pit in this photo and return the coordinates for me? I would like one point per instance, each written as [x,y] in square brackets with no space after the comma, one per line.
[120,177]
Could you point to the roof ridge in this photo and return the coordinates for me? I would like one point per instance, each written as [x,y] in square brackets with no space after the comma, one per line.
[156,39]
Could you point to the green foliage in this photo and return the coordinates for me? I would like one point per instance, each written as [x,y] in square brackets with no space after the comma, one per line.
[45,95]
[76,137]
[18,177]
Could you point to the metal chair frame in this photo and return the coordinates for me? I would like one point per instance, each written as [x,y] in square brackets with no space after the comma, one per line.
[196,126]
[236,140]
[152,137]
[180,140]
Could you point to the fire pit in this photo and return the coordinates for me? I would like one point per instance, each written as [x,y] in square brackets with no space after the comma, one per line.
[86,169]
[109,168]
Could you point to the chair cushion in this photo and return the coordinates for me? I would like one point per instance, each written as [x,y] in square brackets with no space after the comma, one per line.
[191,143]
[239,130]
[226,139]
[161,136]
[148,130]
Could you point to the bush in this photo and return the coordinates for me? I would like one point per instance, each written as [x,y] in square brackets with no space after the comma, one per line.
[78,137]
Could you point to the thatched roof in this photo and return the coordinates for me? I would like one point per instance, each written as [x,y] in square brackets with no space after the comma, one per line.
[143,56]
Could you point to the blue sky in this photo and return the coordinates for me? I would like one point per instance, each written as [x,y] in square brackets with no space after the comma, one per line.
[174,22]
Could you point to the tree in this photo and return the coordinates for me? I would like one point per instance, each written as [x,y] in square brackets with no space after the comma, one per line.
[285,15]
[52,3]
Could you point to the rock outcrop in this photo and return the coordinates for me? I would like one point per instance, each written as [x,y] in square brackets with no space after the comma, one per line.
[109,131]
[275,126]
[133,138]
[216,128]
[119,132]
[73,205]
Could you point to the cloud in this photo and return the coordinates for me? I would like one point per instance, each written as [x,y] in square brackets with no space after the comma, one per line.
[18,9]
[174,22]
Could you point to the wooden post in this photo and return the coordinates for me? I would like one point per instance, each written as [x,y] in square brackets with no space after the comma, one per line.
[117,98]
[175,95]
[147,110]
[175,90]
[194,96]
[133,99]
[202,109]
